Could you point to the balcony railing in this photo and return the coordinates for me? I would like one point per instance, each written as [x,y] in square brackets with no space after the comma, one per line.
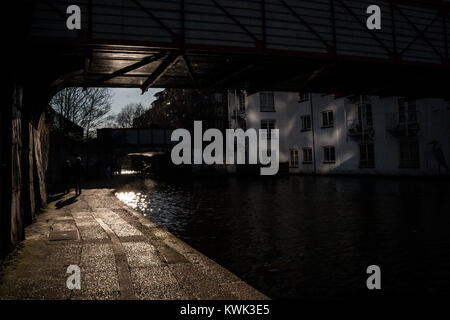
[403,124]
[356,128]
[238,114]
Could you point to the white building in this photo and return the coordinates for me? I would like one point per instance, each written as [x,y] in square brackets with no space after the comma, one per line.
[360,134]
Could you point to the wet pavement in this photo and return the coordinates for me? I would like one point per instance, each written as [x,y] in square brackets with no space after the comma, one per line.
[121,255]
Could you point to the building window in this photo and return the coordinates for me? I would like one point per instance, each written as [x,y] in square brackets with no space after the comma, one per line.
[241,101]
[327,119]
[266,101]
[294,158]
[306,122]
[365,112]
[268,124]
[329,154]
[302,97]
[366,156]
[307,155]
[218,97]
[407,112]
[409,154]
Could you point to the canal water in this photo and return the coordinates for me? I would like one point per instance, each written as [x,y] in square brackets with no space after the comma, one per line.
[310,237]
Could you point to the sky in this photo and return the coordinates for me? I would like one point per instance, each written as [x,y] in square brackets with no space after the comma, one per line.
[123,96]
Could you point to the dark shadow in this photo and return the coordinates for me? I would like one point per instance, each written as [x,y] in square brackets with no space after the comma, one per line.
[54,197]
[63,203]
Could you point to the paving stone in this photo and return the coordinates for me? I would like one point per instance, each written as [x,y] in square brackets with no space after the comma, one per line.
[156,283]
[95,250]
[92,233]
[141,254]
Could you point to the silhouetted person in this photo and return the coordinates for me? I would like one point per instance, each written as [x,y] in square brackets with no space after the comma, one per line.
[78,173]
[438,155]
[108,172]
[66,173]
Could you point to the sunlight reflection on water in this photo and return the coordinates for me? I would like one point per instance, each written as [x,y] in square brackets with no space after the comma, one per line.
[135,200]
[126,172]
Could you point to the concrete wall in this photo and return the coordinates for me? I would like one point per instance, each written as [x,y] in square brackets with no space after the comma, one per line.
[41,148]
[23,166]
[5,132]
[15,213]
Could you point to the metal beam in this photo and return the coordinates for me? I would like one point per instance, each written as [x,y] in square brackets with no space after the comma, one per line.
[127,69]
[264,24]
[170,60]
[333,25]
[236,21]
[420,33]
[418,36]
[155,18]
[363,25]
[316,74]
[60,13]
[60,83]
[190,70]
[230,77]
[393,30]
[306,24]
[52,6]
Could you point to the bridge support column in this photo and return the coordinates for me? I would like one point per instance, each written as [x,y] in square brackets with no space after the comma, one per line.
[34,151]
[22,162]
[11,214]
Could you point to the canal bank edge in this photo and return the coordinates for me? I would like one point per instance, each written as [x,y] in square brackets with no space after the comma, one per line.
[121,253]
[176,251]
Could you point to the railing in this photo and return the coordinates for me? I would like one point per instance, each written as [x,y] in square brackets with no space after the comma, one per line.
[396,119]
[405,123]
[356,128]
[238,114]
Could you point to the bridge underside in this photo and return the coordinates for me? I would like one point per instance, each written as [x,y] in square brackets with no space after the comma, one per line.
[141,67]
[285,45]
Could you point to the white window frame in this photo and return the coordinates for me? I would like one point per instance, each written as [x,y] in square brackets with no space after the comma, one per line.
[329,160]
[304,120]
[267,101]
[294,160]
[365,113]
[307,151]
[303,97]
[328,124]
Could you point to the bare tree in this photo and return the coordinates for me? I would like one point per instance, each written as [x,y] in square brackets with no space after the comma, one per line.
[110,121]
[125,118]
[87,108]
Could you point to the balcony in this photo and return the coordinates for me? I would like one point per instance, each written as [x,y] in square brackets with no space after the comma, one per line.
[359,130]
[403,124]
[238,114]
